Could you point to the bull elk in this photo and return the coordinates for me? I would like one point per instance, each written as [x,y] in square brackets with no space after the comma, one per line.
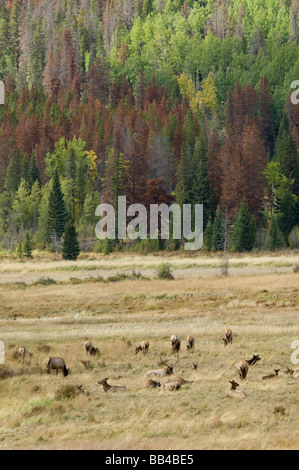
[228,337]
[56,363]
[234,393]
[111,388]
[24,352]
[271,376]
[243,366]
[175,344]
[190,343]
[144,347]
[168,370]
[90,349]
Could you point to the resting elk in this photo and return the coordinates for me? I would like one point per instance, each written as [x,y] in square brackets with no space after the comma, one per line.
[190,343]
[234,393]
[111,388]
[144,347]
[175,344]
[228,337]
[56,363]
[294,373]
[243,366]
[271,376]
[168,370]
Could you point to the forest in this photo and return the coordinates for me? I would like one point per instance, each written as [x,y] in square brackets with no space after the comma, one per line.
[160,100]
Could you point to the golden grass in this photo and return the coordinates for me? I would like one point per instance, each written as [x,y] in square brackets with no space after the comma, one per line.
[262,310]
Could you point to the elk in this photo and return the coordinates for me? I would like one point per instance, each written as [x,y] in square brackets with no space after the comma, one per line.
[144,347]
[190,343]
[23,352]
[56,363]
[170,387]
[168,370]
[90,349]
[179,380]
[152,384]
[294,373]
[195,365]
[243,366]
[234,393]
[111,388]
[175,344]
[271,376]
[228,337]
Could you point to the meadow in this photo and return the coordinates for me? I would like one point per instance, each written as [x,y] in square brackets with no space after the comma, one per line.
[259,301]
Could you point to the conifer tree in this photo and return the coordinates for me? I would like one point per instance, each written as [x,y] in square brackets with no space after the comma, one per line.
[70,246]
[27,247]
[244,230]
[218,231]
[57,214]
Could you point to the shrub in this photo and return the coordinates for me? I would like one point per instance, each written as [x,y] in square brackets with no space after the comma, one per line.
[164,272]
[294,238]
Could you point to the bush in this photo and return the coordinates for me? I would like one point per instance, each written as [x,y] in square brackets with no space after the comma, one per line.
[296,268]
[164,272]
[45,282]
[66,392]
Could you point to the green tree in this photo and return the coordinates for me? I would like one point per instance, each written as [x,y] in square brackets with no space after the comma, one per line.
[70,246]
[57,214]
[218,231]
[244,229]
[27,247]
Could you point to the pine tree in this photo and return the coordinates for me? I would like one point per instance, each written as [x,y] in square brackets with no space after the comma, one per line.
[218,231]
[244,230]
[57,214]
[27,247]
[70,246]
[19,250]
[208,236]
[274,234]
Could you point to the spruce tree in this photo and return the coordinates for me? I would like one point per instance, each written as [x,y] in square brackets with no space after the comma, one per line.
[33,172]
[274,234]
[208,236]
[27,248]
[70,246]
[57,214]
[244,230]
[218,231]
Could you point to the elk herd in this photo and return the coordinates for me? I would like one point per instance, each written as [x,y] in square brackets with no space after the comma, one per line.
[163,378]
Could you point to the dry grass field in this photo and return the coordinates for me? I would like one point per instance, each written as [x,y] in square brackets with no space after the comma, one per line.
[38,411]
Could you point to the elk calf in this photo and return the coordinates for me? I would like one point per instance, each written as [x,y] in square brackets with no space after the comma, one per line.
[234,393]
[190,343]
[56,363]
[90,349]
[111,388]
[144,347]
[243,366]
[23,352]
[228,337]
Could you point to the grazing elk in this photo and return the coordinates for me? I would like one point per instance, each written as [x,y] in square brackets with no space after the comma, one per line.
[144,347]
[243,366]
[168,370]
[294,373]
[234,393]
[56,363]
[90,349]
[271,376]
[24,352]
[190,343]
[175,344]
[111,388]
[228,337]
